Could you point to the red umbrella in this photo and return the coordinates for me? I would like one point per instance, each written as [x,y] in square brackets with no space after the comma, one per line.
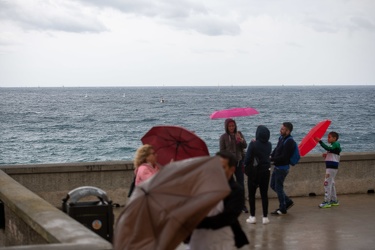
[308,142]
[234,112]
[174,143]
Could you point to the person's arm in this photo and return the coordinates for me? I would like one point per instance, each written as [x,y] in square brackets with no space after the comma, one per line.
[334,148]
[233,205]
[143,174]
[222,142]
[274,150]
[243,143]
[286,152]
[248,154]
[272,154]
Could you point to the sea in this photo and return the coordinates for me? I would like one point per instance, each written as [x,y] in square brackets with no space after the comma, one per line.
[61,124]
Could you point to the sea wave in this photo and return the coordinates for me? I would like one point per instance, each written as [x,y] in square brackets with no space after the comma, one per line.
[44,125]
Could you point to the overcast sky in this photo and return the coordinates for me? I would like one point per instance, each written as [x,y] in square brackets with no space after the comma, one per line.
[186,43]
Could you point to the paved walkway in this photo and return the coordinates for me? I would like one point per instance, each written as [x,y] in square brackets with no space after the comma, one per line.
[348,226]
[306,226]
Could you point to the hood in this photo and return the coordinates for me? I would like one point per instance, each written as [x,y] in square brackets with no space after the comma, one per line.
[227,121]
[262,134]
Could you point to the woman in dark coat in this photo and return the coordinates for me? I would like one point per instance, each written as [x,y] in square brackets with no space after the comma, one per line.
[259,176]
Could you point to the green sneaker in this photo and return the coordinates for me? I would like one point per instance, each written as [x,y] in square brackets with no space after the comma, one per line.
[334,203]
[325,204]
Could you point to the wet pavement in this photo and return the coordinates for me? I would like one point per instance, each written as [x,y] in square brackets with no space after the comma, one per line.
[351,225]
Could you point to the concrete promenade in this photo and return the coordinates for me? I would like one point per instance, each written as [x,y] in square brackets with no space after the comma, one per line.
[348,226]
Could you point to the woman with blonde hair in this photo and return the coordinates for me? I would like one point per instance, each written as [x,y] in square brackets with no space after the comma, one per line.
[145,163]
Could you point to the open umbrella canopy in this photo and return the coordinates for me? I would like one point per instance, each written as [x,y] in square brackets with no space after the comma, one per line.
[234,112]
[174,143]
[165,209]
[308,142]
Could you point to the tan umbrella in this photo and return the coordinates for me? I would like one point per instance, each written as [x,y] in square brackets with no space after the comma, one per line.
[166,208]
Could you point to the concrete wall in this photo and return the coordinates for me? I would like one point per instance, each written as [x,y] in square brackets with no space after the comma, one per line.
[33,193]
[30,220]
[53,181]
[356,175]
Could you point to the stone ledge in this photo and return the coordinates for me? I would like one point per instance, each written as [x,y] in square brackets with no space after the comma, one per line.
[357,156]
[128,165]
[46,220]
[68,167]
[61,246]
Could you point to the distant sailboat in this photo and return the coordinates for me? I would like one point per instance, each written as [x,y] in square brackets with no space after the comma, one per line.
[86,95]
[162,100]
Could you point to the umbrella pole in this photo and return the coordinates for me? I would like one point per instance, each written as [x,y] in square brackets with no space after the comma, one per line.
[177,146]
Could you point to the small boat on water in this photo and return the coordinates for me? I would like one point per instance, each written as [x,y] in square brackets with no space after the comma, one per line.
[162,100]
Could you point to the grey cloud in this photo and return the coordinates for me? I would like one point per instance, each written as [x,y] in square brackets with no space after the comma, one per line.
[185,15]
[213,26]
[206,51]
[360,22]
[352,24]
[70,16]
[140,7]
[321,26]
[163,8]
[293,44]
[49,16]
[5,41]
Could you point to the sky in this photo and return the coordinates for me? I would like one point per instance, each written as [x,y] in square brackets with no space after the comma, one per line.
[84,43]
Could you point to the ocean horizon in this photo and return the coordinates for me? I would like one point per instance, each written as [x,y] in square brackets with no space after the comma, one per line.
[88,124]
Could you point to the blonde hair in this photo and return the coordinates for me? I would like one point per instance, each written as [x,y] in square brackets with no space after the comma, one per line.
[142,153]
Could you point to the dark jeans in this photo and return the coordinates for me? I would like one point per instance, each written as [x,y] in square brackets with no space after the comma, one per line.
[277,184]
[261,180]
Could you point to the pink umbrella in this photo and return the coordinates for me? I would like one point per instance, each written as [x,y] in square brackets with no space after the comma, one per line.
[308,142]
[234,112]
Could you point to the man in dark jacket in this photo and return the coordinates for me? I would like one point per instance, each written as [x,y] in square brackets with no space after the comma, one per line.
[280,157]
[227,219]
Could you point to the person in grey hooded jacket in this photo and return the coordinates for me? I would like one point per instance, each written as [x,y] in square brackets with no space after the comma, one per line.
[259,176]
[234,141]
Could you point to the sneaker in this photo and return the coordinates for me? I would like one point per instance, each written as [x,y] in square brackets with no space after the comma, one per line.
[251,220]
[289,205]
[265,220]
[244,209]
[278,212]
[334,203]
[325,204]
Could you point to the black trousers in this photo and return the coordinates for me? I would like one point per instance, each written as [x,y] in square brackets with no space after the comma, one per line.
[258,178]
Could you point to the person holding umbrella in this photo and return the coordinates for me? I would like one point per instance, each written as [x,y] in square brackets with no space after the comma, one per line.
[332,159]
[221,228]
[233,141]
[145,163]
